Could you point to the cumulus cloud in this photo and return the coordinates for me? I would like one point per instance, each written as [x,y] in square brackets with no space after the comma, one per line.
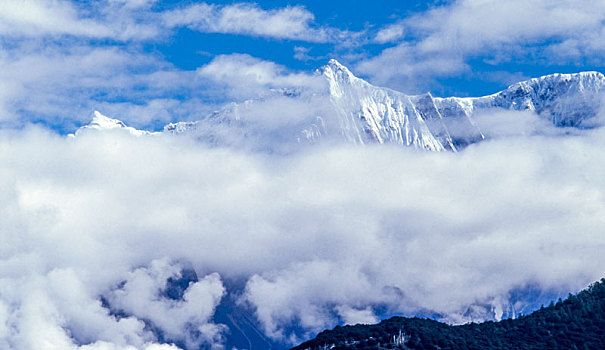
[60,310]
[446,38]
[292,22]
[185,320]
[94,226]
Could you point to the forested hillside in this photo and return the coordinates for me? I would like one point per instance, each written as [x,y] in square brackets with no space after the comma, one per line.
[575,323]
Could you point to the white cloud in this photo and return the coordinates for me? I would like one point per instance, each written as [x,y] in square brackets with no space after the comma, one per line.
[63,85]
[323,236]
[113,19]
[244,76]
[134,4]
[292,22]
[503,123]
[54,74]
[140,297]
[390,33]
[410,70]
[449,36]
[33,17]
[302,54]
[474,25]
[354,316]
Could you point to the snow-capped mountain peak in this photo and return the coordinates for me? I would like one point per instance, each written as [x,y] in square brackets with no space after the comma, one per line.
[337,71]
[339,76]
[371,114]
[101,122]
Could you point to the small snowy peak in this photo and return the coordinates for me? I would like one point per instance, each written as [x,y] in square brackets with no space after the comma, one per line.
[101,122]
[336,66]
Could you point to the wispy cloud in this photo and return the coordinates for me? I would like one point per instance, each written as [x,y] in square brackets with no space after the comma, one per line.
[57,71]
[32,17]
[445,39]
[390,33]
[293,22]
[62,85]
[247,76]
[114,19]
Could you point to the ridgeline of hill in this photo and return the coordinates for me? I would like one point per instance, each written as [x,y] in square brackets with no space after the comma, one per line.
[577,322]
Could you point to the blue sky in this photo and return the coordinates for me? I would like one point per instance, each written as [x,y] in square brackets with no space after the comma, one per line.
[189,49]
[143,60]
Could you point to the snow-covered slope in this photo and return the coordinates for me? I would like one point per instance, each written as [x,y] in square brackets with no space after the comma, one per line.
[371,114]
[352,110]
[565,99]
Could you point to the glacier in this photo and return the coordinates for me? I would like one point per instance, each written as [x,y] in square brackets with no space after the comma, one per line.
[351,110]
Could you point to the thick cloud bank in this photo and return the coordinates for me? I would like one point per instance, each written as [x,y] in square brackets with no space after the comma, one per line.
[94,227]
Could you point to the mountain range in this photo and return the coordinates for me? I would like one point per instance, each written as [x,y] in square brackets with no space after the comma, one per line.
[351,110]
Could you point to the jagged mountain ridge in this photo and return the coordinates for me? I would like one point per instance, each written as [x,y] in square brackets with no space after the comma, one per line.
[565,99]
[355,111]
[434,123]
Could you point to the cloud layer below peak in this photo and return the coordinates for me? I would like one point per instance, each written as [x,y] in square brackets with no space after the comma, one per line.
[298,240]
